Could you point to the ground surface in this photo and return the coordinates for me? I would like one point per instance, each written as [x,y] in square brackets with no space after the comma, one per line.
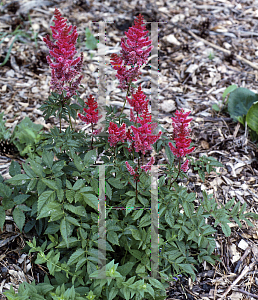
[193,73]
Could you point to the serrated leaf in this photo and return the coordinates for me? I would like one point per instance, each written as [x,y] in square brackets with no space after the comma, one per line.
[19,218]
[156,284]
[77,210]
[19,179]
[145,220]
[90,157]
[108,190]
[65,230]
[45,197]
[50,183]
[78,184]
[226,229]
[112,238]
[116,183]
[91,200]
[48,158]
[14,168]
[76,256]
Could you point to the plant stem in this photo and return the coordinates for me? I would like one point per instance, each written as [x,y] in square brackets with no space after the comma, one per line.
[179,165]
[91,135]
[127,93]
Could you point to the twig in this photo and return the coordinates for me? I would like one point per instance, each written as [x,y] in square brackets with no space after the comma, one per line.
[247,251]
[246,269]
[224,50]
[247,293]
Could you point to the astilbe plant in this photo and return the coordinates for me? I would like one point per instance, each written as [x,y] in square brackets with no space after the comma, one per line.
[55,195]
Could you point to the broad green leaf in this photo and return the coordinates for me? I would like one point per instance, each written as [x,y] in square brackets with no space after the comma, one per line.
[252,117]
[76,256]
[240,101]
[116,183]
[19,179]
[112,238]
[48,158]
[112,294]
[78,184]
[45,197]
[157,284]
[108,190]
[70,195]
[50,209]
[91,200]
[91,41]
[90,157]
[14,168]
[37,168]
[19,218]
[145,220]
[77,210]
[169,154]
[50,183]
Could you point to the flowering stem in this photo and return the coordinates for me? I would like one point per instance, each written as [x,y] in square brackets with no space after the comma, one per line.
[91,136]
[127,93]
[70,120]
[179,166]
[60,119]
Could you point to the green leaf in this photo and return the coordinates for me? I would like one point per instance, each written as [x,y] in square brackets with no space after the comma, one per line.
[228,90]
[45,197]
[70,195]
[112,237]
[188,269]
[78,184]
[91,41]
[215,107]
[77,210]
[240,101]
[252,117]
[37,168]
[126,268]
[14,168]
[76,256]
[145,220]
[48,158]
[108,190]
[50,183]
[2,217]
[90,157]
[50,209]
[19,179]
[157,284]
[169,154]
[226,229]
[19,218]
[112,294]
[65,230]
[91,200]
[116,183]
